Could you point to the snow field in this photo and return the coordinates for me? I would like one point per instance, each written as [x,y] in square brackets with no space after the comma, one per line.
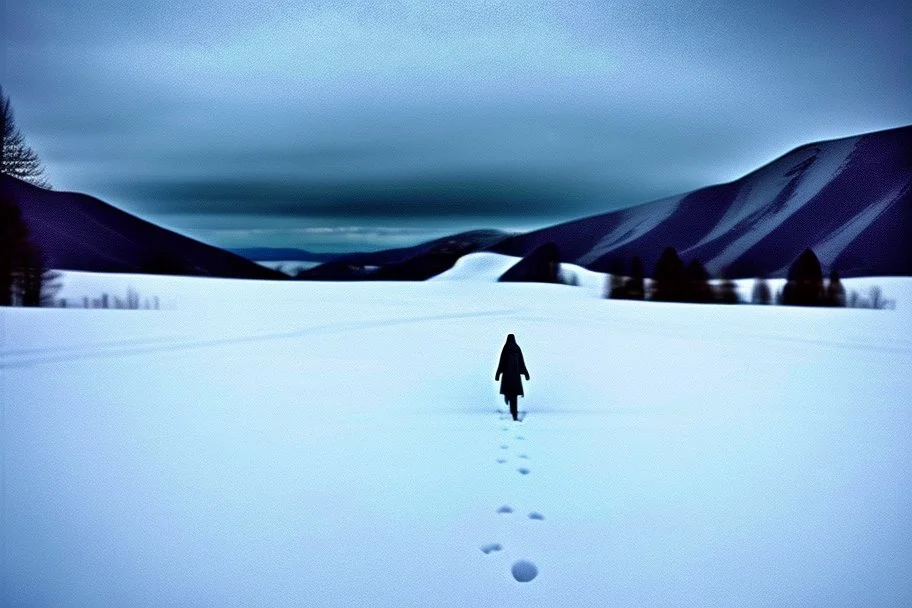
[340,444]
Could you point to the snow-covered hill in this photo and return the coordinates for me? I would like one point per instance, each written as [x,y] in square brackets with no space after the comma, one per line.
[265,443]
[848,199]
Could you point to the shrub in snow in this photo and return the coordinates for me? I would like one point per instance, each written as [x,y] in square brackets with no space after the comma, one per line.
[761,294]
[614,282]
[132,301]
[727,291]
[835,292]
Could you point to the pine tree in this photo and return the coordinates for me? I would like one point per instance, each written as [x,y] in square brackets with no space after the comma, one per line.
[633,287]
[13,241]
[698,289]
[16,157]
[669,278]
[805,282]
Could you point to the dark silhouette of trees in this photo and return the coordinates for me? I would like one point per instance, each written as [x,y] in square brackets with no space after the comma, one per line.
[16,157]
[623,287]
[13,240]
[835,292]
[761,293]
[542,265]
[697,288]
[805,282]
[614,287]
[25,279]
[727,291]
[34,284]
[635,285]
[669,278]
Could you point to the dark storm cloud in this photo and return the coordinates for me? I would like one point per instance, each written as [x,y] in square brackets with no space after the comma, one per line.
[464,196]
[535,108]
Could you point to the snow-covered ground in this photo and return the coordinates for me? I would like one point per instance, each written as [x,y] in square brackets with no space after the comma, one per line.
[343,444]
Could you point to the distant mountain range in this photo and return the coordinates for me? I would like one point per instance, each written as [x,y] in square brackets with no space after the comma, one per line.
[847,199]
[415,263]
[282,254]
[80,232]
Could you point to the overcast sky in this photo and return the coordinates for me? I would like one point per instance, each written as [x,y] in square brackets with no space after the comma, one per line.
[347,125]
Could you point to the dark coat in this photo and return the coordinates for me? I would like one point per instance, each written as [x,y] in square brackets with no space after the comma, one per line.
[511,367]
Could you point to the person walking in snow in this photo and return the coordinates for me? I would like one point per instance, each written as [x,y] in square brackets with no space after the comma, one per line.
[511,366]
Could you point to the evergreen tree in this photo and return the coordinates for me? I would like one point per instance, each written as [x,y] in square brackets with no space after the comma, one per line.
[805,282]
[13,241]
[669,278]
[16,157]
[614,286]
[698,289]
[633,287]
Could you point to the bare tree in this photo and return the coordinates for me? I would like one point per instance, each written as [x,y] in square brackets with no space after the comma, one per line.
[16,157]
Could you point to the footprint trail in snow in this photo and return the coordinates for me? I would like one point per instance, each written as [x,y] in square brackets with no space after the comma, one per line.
[522,570]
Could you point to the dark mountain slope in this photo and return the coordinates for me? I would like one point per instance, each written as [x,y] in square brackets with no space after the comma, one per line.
[80,232]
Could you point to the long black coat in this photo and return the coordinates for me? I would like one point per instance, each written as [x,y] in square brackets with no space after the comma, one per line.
[511,367]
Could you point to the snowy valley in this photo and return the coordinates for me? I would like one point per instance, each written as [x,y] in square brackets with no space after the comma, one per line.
[343,444]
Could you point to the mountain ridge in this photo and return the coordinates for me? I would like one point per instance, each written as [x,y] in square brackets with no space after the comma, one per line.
[847,198]
[76,231]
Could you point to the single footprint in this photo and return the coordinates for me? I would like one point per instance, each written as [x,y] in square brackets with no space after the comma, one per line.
[506,428]
[523,471]
[504,447]
[524,571]
[520,437]
[490,548]
[536,515]
[505,509]
[524,456]
[501,460]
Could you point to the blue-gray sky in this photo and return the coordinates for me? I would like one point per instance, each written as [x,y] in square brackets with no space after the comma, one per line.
[347,125]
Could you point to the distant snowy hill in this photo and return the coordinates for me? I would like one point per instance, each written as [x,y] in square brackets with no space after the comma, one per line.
[80,232]
[848,199]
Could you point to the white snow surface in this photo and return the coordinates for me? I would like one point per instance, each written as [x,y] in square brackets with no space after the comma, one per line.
[343,444]
[289,267]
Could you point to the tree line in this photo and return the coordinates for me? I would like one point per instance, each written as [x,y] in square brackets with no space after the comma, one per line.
[675,281]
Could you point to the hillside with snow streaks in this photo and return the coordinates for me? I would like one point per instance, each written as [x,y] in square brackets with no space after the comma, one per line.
[848,199]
